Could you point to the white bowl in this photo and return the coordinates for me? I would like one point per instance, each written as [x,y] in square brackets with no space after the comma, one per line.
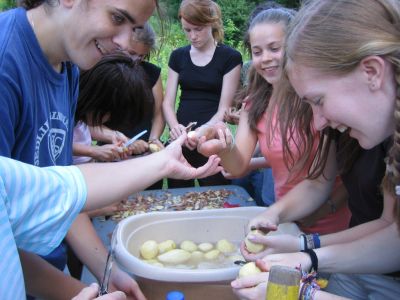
[198,226]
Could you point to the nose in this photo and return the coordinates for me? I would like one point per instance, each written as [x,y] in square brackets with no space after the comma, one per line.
[123,39]
[192,35]
[320,122]
[267,56]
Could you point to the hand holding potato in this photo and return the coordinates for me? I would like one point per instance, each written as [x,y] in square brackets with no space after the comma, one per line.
[217,139]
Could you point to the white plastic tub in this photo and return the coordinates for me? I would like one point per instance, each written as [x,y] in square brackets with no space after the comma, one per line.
[198,226]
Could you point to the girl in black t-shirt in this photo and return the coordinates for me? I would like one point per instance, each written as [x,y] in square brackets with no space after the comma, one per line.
[207,73]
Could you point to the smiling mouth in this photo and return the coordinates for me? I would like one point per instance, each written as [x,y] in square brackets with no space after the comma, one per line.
[102,50]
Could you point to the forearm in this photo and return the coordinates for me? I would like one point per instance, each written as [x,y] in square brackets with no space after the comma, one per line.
[351,234]
[82,150]
[378,252]
[170,115]
[44,281]
[87,246]
[157,127]
[102,133]
[234,161]
[362,230]
[258,163]
[301,201]
[122,177]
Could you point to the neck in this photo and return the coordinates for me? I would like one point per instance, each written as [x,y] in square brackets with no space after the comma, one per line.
[45,29]
[208,47]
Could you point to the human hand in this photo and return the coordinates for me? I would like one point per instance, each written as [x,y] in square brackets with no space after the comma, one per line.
[91,292]
[176,131]
[108,152]
[119,138]
[179,168]
[252,287]
[106,211]
[232,115]
[279,243]
[138,147]
[294,260]
[157,143]
[121,281]
[220,140]
[266,222]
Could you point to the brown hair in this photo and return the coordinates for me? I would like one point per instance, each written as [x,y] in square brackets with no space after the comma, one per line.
[258,89]
[203,12]
[333,36]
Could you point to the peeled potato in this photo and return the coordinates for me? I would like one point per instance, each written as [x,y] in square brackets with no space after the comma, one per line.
[188,246]
[192,134]
[149,249]
[225,246]
[205,247]
[196,256]
[249,269]
[166,246]
[211,255]
[153,262]
[235,257]
[154,147]
[174,257]
[253,247]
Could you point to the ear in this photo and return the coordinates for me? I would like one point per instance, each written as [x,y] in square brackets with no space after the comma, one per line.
[373,68]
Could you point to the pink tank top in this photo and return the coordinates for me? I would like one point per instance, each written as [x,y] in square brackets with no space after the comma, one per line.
[273,153]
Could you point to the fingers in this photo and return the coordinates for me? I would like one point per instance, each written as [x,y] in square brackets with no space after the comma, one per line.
[177,131]
[249,281]
[89,292]
[113,296]
[210,168]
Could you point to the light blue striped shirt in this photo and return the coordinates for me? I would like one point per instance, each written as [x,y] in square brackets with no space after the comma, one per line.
[37,207]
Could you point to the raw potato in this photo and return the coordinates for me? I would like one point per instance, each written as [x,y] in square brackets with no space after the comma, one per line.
[196,256]
[174,257]
[205,247]
[166,246]
[211,255]
[235,257]
[249,269]
[153,262]
[192,134]
[188,246]
[253,247]
[154,147]
[149,249]
[225,246]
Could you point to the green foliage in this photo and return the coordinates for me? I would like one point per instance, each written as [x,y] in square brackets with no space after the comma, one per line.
[7,4]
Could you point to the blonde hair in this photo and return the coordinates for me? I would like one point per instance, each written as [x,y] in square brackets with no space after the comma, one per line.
[201,13]
[333,36]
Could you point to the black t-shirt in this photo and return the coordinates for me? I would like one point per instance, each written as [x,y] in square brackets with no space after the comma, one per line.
[201,86]
[363,181]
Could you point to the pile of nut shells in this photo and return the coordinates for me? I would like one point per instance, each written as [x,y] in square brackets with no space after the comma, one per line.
[139,203]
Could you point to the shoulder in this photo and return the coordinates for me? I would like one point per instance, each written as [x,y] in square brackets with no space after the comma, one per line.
[227,50]
[181,51]
[148,67]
